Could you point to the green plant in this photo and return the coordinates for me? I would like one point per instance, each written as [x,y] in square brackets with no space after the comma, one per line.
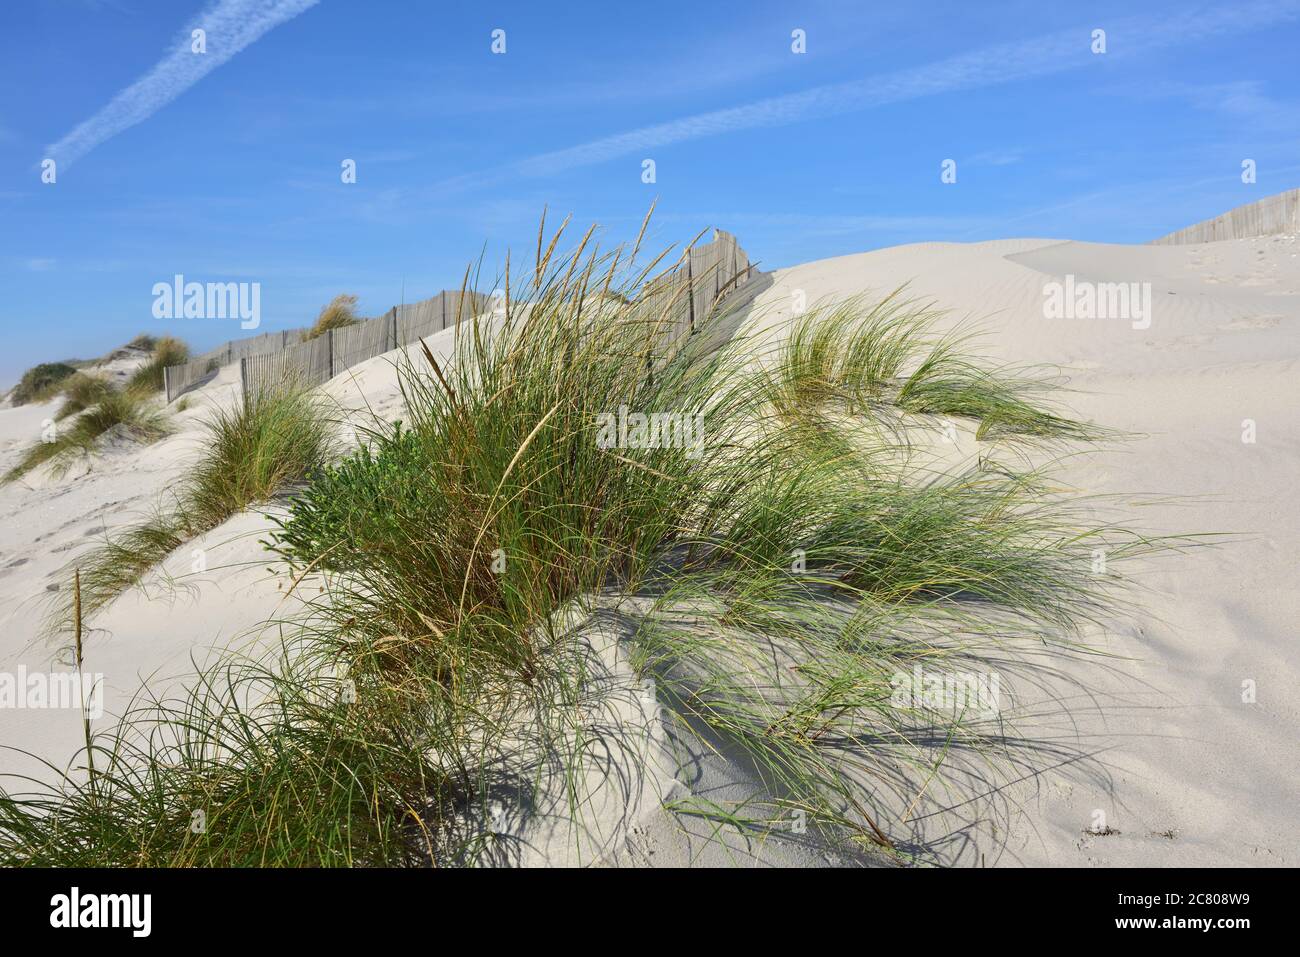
[276,437]
[81,391]
[127,412]
[887,357]
[298,778]
[252,451]
[40,383]
[776,579]
[167,351]
[144,341]
[500,463]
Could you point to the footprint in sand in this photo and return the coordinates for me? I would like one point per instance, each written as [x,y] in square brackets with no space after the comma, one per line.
[1269,321]
[1181,342]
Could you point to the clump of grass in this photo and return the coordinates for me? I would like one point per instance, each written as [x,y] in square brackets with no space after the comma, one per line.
[499,461]
[338,312]
[40,383]
[81,391]
[144,342]
[303,776]
[777,584]
[278,437]
[120,562]
[167,351]
[887,356]
[127,412]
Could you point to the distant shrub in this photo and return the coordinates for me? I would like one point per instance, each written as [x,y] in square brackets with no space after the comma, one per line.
[40,383]
[143,341]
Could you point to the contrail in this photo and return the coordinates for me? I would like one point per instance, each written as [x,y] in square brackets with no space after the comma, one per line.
[231,25]
[1004,63]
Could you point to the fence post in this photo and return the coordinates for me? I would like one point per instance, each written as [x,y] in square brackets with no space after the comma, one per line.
[442,306]
[243,378]
[690,289]
[734,279]
[167,385]
[330,335]
[394,345]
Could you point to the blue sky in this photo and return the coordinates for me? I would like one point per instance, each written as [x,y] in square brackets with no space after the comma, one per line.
[228,168]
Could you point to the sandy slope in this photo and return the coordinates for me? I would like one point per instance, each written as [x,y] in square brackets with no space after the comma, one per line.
[1182,753]
[1182,769]
[182,616]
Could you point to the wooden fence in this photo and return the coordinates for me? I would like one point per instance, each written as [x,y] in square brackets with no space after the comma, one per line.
[318,360]
[703,277]
[180,379]
[700,280]
[1270,216]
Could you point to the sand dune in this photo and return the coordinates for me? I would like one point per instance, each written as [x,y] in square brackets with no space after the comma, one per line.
[1183,770]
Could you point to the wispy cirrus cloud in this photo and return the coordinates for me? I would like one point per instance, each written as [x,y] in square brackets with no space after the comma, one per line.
[1247,101]
[989,66]
[231,26]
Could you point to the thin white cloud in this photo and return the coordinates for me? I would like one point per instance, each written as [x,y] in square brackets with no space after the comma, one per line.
[1037,57]
[1005,157]
[230,25]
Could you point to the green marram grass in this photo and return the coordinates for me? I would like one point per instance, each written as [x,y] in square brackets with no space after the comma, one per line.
[131,413]
[82,390]
[41,383]
[250,452]
[166,351]
[886,357]
[775,583]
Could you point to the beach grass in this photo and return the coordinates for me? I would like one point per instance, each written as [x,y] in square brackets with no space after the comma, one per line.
[144,342]
[338,312]
[130,413]
[250,452]
[41,382]
[577,450]
[81,391]
[886,356]
[167,351]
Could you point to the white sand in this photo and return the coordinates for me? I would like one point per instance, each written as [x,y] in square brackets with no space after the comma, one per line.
[1177,750]
[1184,754]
